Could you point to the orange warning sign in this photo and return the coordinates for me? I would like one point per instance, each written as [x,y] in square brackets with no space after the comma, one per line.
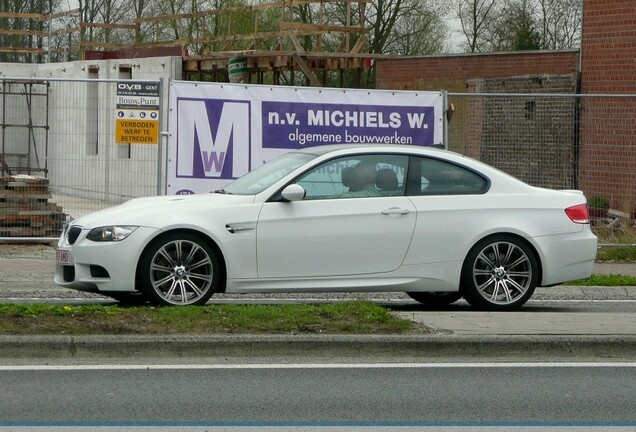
[135,131]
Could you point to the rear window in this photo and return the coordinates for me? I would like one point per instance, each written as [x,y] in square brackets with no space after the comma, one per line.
[437,177]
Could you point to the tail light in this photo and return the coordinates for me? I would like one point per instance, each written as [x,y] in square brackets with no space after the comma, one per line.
[578,214]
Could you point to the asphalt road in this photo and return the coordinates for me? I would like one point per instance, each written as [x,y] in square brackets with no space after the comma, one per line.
[537,394]
[222,392]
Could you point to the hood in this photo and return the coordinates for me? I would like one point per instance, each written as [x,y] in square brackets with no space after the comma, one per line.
[148,211]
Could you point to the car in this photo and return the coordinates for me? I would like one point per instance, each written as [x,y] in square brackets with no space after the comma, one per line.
[394,218]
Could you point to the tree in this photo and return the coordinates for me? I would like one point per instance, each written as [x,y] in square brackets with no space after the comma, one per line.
[476,18]
[421,30]
[25,32]
[511,25]
[561,22]
[517,28]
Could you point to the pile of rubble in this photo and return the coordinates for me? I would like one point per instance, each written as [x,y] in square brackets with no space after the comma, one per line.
[25,210]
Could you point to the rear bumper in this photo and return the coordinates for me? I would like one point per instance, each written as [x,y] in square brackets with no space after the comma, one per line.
[567,257]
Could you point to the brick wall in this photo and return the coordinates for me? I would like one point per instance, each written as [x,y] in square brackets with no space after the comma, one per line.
[451,72]
[532,138]
[608,125]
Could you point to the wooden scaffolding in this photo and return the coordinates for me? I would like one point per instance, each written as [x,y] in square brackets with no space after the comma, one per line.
[272,37]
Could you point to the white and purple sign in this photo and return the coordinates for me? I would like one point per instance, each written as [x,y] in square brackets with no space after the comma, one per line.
[219,132]
[292,125]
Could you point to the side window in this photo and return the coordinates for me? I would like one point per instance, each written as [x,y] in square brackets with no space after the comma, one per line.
[436,177]
[326,180]
[356,177]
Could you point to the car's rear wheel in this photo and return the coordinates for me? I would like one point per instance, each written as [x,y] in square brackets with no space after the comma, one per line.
[179,269]
[436,299]
[500,273]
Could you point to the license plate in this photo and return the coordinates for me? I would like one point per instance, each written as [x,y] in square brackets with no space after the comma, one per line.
[63,256]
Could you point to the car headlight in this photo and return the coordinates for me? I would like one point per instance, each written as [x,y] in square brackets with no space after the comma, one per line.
[110,233]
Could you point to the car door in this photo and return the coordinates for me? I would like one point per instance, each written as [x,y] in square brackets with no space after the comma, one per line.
[337,231]
[450,204]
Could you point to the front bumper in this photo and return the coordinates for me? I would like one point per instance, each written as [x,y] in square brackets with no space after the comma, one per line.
[102,266]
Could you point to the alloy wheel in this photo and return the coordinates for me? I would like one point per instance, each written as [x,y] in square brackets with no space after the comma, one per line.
[502,273]
[182,272]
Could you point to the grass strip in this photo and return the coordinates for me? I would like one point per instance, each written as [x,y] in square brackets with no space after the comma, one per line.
[357,317]
[605,280]
[625,254]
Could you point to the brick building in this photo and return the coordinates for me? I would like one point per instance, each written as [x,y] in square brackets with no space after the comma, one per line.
[587,142]
[608,125]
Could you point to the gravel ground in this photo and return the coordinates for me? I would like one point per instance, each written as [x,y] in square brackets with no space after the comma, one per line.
[26,271]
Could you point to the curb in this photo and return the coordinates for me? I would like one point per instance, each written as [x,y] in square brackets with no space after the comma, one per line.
[317,348]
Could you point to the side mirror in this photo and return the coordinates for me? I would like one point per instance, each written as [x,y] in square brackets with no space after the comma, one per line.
[293,192]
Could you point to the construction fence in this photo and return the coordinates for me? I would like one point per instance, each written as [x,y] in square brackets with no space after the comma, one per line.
[558,141]
[70,147]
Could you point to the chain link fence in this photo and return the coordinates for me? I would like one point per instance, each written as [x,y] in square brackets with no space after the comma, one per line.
[59,156]
[559,141]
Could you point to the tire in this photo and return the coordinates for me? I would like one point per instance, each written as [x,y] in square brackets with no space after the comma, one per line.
[179,269]
[500,273]
[436,299]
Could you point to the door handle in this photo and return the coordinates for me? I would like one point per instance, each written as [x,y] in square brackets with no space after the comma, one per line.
[395,211]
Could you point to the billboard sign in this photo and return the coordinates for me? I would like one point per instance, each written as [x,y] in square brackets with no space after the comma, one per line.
[219,132]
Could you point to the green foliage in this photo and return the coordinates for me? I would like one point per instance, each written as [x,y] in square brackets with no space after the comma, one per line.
[598,202]
[345,317]
[617,254]
[605,280]
[526,39]
[42,309]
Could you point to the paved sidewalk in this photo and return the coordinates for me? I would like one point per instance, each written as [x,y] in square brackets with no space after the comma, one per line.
[476,323]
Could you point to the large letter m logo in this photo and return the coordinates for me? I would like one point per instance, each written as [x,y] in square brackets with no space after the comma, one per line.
[211,133]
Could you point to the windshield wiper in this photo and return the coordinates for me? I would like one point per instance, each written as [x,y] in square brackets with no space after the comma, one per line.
[223,191]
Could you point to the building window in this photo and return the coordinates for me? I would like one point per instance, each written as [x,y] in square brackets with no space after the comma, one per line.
[531,108]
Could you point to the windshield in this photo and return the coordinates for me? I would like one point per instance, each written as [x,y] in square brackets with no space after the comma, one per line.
[266,175]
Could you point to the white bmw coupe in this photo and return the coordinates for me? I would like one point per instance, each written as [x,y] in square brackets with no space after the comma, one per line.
[432,223]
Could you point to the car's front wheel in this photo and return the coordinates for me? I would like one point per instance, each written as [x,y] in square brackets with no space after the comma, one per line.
[500,273]
[179,269]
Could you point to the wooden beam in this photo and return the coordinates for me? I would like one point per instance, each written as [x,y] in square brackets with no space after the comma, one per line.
[308,55]
[320,28]
[34,16]
[109,26]
[64,14]
[359,44]
[23,50]
[294,40]
[301,2]
[211,12]
[89,44]
[23,32]
[307,71]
